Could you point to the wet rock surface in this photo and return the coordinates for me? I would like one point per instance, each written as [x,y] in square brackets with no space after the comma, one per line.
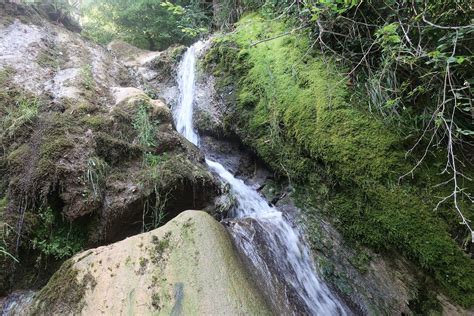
[16,303]
[248,232]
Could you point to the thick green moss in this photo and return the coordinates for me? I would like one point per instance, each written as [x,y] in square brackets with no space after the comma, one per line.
[51,151]
[292,108]
[64,281]
[286,96]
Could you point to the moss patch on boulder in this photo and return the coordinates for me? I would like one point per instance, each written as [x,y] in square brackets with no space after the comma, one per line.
[64,281]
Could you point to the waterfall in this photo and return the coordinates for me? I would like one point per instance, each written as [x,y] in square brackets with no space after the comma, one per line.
[183,113]
[292,268]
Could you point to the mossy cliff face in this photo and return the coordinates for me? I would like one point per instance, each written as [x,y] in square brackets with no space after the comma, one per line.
[85,159]
[293,108]
[187,267]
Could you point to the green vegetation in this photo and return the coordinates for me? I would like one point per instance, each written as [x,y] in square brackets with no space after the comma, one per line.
[95,175]
[155,301]
[162,173]
[150,24]
[154,213]
[154,209]
[154,206]
[5,231]
[364,106]
[24,110]
[160,246]
[57,140]
[87,77]
[229,11]
[143,124]
[64,281]
[54,236]
[413,61]
[293,108]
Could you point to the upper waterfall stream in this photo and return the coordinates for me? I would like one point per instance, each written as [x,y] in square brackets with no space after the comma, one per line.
[292,268]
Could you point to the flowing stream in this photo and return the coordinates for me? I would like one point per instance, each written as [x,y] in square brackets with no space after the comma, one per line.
[283,263]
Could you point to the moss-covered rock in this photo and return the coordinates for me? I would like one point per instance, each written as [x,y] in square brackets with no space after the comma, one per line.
[76,144]
[293,108]
[189,267]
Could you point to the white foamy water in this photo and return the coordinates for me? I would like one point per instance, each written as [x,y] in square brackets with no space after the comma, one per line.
[183,113]
[284,244]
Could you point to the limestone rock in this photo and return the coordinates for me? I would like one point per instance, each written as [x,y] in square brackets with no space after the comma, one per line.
[79,152]
[187,267]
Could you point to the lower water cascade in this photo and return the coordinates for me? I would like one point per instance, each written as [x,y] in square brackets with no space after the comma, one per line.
[281,259]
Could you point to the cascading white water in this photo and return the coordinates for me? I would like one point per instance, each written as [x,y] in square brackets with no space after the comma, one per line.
[183,113]
[284,243]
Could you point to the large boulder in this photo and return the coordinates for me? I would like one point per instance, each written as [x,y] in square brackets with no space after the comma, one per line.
[187,267]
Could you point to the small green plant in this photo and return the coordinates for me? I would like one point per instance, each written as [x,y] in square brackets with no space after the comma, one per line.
[95,175]
[144,126]
[5,230]
[154,211]
[4,252]
[161,245]
[143,262]
[151,160]
[25,110]
[155,301]
[154,208]
[54,236]
[87,77]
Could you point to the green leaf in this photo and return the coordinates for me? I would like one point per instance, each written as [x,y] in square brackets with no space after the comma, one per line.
[460,59]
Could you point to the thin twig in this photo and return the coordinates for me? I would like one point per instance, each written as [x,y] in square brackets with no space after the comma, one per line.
[277,36]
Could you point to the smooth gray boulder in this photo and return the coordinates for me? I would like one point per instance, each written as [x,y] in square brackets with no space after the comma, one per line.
[187,267]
